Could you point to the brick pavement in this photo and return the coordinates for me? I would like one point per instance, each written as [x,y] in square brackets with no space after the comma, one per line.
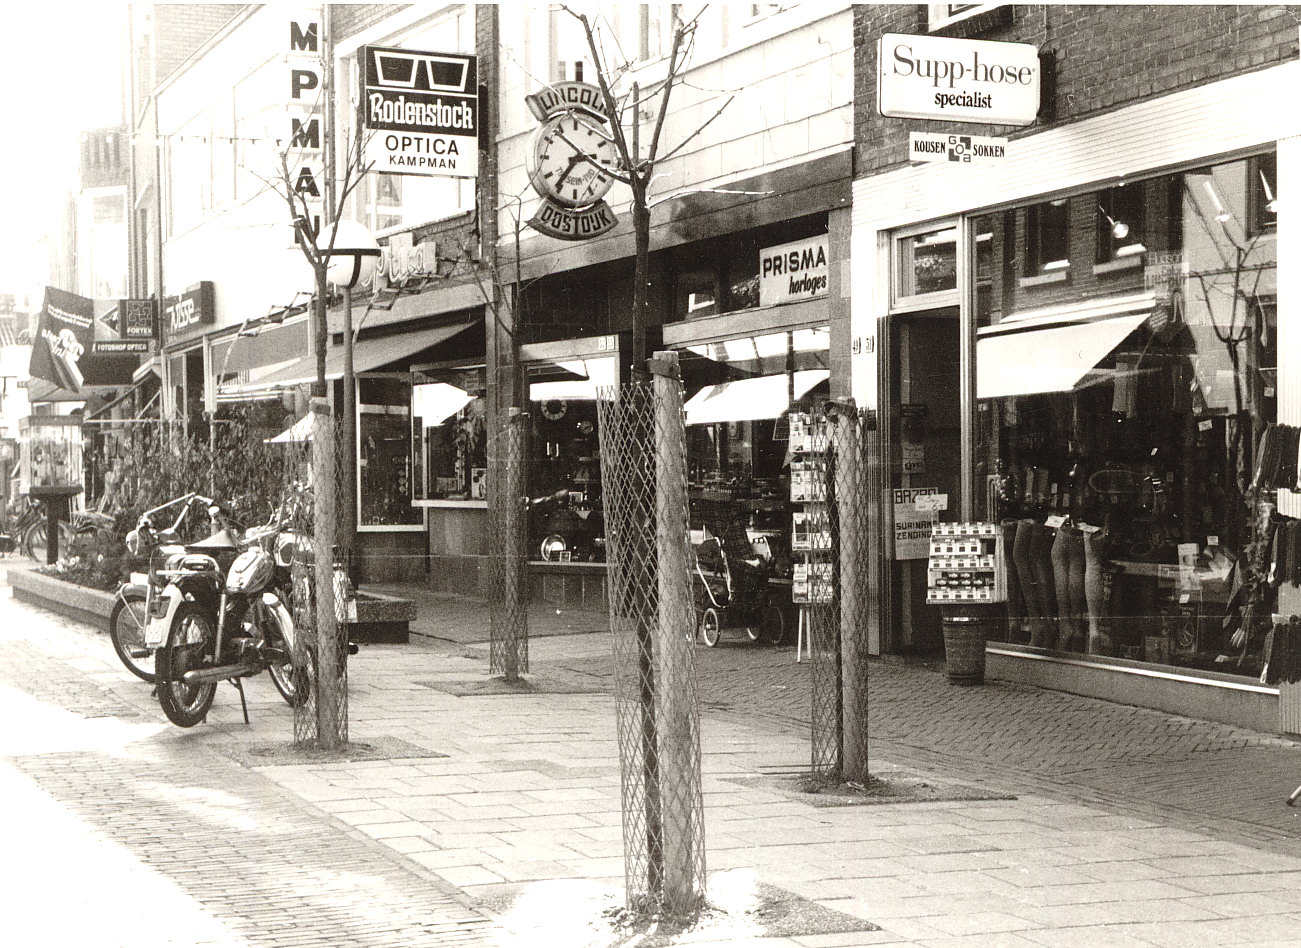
[523,812]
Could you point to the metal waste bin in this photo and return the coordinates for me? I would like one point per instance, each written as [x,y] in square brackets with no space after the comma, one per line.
[966,629]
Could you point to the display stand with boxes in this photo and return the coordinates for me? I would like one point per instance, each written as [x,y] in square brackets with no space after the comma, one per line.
[966,579]
[811,567]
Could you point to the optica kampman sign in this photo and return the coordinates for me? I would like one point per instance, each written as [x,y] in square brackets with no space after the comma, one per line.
[420,111]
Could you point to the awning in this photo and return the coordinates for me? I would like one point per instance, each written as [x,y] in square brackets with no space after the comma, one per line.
[367,355]
[766,396]
[300,430]
[1051,359]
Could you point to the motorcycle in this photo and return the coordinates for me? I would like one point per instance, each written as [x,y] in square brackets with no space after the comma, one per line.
[568,535]
[213,612]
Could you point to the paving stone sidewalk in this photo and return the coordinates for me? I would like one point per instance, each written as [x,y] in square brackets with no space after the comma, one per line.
[522,815]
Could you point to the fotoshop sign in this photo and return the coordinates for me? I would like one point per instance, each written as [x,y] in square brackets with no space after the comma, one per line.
[957,80]
[420,111]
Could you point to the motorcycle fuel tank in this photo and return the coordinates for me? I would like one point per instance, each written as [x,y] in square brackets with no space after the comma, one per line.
[250,572]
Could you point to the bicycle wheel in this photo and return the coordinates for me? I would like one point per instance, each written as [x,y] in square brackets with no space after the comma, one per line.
[35,543]
[191,643]
[126,627]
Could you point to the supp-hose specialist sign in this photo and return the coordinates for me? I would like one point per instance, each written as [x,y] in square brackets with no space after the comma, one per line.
[420,111]
[957,80]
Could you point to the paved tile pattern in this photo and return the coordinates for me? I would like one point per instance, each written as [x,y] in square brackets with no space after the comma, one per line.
[523,814]
[267,868]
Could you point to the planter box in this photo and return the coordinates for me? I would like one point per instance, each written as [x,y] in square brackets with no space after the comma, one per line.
[381,618]
[91,606]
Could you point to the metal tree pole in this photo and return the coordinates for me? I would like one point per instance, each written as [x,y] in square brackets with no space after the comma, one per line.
[348,462]
[328,731]
[851,487]
[679,734]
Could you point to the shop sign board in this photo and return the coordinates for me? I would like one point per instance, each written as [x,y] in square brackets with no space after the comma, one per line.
[957,80]
[137,319]
[962,149]
[912,519]
[420,112]
[794,271]
[194,307]
[573,223]
[303,119]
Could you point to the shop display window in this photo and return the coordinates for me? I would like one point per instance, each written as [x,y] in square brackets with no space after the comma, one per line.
[928,262]
[740,396]
[449,440]
[384,461]
[1119,418]
[566,522]
[1047,237]
[1120,223]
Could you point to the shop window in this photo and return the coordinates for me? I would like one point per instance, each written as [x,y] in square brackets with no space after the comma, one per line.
[1262,186]
[740,395]
[449,449]
[1047,240]
[1121,220]
[384,461]
[1118,427]
[928,263]
[567,522]
[696,293]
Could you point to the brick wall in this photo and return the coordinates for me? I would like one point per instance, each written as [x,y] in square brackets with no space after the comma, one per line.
[350,18]
[1105,56]
[181,28]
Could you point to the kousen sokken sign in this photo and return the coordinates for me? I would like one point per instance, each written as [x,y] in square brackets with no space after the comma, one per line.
[957,80]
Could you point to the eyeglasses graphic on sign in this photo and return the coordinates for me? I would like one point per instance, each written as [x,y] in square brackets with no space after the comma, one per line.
[403,70]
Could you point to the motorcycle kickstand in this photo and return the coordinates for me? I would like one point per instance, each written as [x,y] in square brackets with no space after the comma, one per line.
[239,686]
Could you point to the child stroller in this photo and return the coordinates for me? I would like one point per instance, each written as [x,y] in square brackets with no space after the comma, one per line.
[731,581]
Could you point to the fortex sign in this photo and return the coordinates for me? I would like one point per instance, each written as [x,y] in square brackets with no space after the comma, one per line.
[420,111]
[957,80]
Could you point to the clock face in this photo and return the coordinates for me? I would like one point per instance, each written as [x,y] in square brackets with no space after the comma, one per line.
[573,161]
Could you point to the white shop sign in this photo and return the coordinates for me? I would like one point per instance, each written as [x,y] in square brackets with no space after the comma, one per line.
[963,149]
[913,519]
[957,80]
[794,271]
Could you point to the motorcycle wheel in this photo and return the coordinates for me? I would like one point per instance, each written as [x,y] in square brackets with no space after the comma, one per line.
[292,679]
[711,626]
[126,627]
[191,641]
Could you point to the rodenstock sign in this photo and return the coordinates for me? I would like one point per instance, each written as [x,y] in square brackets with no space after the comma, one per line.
[955,80]
[420,111]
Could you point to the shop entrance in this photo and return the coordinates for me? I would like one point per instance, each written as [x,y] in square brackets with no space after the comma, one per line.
[924,450]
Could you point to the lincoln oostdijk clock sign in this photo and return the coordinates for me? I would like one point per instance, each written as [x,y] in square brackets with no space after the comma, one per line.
[572,163]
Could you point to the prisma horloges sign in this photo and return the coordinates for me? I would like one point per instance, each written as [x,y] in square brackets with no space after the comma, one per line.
[956,80]
[420,112]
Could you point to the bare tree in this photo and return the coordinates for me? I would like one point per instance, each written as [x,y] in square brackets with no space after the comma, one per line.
[639,159]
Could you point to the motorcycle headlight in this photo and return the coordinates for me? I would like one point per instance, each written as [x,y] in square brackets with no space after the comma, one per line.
[552,547]
[133,542]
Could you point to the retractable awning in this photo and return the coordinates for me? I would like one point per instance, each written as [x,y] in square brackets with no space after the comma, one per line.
[1047,359]
[367,355]
[766,396]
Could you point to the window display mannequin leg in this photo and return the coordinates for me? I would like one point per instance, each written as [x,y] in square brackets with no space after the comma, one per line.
[1041,563]
[1028,581]
[1095,592]
[1069,576]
